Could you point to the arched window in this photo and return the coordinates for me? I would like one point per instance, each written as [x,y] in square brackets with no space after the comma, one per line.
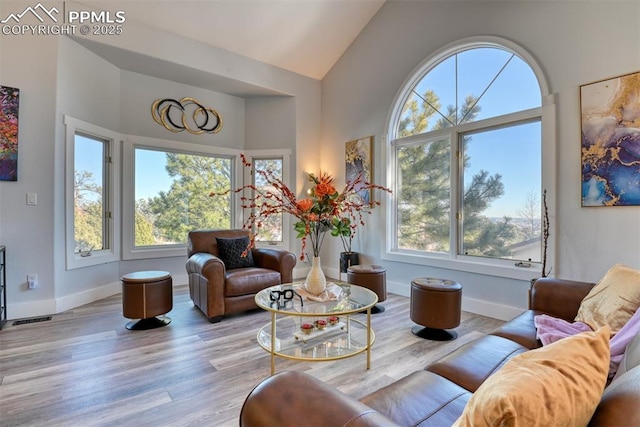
[465,159]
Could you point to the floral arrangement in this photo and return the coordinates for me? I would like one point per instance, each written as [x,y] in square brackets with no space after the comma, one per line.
[324,209]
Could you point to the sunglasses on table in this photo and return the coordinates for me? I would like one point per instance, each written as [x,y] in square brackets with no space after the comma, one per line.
[286,296]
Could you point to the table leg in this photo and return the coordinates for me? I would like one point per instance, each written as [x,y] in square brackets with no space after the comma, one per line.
[369,338]
[273,342]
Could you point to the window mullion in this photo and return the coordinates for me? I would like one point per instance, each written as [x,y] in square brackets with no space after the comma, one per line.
[457,192]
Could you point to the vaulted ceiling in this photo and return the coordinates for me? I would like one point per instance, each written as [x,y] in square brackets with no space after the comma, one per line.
[303,36]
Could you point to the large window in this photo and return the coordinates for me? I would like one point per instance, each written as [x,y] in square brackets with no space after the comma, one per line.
[171,192]
[466,158]
[168,194]
[91,204]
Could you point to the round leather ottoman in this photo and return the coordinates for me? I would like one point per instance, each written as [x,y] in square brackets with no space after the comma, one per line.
[436,305]
[372,277]
[145,295]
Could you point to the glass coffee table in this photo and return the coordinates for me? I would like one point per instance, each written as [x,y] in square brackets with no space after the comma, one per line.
[316,331]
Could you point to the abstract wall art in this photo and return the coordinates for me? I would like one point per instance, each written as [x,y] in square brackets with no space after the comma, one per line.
[358,161]
[9,100]
[610,121]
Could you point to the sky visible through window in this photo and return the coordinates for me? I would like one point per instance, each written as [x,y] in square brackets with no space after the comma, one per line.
[516,88]
[155,177]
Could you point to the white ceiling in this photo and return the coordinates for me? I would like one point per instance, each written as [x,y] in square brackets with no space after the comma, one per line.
[303,36]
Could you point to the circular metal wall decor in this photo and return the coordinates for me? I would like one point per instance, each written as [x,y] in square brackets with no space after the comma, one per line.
[186,114]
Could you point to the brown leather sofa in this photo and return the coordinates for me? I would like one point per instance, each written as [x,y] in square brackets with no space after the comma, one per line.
[437,395]
[218,291]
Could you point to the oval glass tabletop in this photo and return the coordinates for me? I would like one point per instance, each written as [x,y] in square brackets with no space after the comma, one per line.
[286,299]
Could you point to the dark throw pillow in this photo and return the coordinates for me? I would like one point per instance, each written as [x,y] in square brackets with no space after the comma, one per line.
[230,252]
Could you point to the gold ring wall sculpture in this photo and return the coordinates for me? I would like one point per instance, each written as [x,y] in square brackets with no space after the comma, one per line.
[186,114]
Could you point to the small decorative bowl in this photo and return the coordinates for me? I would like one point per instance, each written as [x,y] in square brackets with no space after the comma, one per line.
[333,320]
[321,324]
[306,328]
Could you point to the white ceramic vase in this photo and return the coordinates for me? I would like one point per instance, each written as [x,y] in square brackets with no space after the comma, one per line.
[316,281]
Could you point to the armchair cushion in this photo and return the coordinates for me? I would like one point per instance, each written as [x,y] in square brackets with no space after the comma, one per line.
[233,252]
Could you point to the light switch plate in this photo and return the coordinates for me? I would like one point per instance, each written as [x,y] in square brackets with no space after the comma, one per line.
[32,199]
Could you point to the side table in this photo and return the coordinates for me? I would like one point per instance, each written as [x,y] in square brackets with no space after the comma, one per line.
[436,305]
[145,295]
[372,277]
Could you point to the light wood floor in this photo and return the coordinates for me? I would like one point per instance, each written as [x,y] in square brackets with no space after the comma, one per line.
[83,368]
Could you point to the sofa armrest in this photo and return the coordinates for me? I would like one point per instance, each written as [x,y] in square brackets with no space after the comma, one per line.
[207,265]
[558,297]
[291,398]
[276,259]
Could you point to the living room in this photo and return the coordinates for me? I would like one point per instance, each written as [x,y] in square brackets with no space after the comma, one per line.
[111,82]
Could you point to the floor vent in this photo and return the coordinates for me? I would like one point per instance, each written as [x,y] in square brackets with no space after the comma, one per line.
[32,320]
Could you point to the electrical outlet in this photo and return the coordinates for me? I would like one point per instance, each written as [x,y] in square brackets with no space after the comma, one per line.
[32,280]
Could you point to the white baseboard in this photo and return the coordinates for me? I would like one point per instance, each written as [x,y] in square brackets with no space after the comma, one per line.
[77,299]
[490,309]
[471,305]
[21,310]
[69,302]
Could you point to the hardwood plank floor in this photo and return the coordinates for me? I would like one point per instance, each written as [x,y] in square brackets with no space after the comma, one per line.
[85,368]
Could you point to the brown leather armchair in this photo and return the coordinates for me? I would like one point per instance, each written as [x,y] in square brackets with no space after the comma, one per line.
[217,291]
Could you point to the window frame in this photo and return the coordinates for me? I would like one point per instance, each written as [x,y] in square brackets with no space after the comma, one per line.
[130,143]
[453,260]
[111,194]
[285,155]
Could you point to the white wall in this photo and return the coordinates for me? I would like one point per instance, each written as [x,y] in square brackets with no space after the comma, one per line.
[27,231]
[574,42]
[111,82]
[139,91]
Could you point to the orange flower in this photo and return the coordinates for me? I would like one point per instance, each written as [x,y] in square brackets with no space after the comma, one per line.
[325,189]
[304,205]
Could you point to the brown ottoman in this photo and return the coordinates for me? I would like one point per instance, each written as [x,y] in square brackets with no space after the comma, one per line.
[145,295]
[436,305]
[372,277]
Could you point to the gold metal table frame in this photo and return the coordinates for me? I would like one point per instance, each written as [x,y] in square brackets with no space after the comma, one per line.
[282,336]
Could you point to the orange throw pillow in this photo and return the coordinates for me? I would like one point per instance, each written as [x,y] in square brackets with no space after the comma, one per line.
[613,300]
[560,384]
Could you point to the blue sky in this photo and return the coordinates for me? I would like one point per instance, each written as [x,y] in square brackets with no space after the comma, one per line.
[514,153]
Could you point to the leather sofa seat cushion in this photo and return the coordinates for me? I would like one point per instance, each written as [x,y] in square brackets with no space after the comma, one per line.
[250,280]
[521,329]
[471,364]
[412,402]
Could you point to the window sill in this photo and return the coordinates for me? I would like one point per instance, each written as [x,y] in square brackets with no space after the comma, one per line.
[498,268]
[75,261]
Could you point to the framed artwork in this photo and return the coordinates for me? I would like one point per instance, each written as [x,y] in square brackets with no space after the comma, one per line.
[359,160]
[9,99]
[610,148]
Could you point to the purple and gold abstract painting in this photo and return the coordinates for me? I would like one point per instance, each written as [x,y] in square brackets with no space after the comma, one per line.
[610,112]
[9,98]
[358,158]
